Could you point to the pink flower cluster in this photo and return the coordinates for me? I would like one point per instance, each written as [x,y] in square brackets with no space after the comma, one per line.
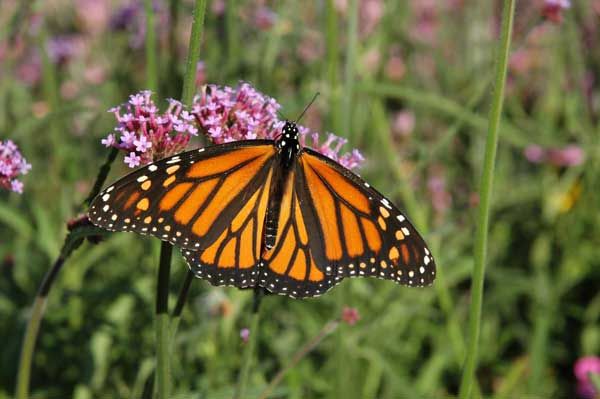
[226,114]
[12,164]
[223,114]
[148,135]
[350,316]
[571,155]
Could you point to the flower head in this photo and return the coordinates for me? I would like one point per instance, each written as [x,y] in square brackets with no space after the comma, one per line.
[583,367]
[146,134]
[12,164]
[571,155]
[228,114]
[553,9]
[245,334]
[350,315]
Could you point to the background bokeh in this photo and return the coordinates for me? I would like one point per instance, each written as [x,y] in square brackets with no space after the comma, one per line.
[409,85]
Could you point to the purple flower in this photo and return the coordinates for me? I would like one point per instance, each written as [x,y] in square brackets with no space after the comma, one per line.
[228,114]
[148,135]
[571,155]
[245,334]
[132,160]
[62,48]
[109,141]
[12,164]
[582,368]
[350,315]
[534,153]
[142,144]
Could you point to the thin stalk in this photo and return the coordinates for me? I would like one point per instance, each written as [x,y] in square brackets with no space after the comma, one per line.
[183,294]
[332,65]
[299,355]
[162,322]
[341,352]
[151,56]
[189,79]
[487,180]
[31,333]
[240,390]
[350,66]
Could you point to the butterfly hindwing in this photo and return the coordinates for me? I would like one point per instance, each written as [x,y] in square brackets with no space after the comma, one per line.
[188,199]
[289,268]
[233,258]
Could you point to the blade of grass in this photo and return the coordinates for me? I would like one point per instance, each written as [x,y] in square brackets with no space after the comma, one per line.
[487,180]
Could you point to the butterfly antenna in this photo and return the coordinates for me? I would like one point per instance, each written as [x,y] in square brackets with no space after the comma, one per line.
[307,107]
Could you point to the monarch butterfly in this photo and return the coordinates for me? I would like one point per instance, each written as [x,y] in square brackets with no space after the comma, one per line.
[268,213]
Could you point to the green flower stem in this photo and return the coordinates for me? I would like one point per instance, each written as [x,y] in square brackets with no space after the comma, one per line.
[162,321]
[183,294]
[151,56]
[163,331]
[73,240]
[189,80]
[240,389]
[332,65]
[33,327]
[485,194]
[299,355]
[350,67]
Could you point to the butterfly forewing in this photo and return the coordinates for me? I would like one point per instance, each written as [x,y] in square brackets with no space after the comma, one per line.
[188,199]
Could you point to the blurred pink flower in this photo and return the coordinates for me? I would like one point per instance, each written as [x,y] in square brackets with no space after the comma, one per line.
[228,114]
[61,49]
[440,197]
[534,153]
[395,69]
[426,22]
[584,366]
[350,315]
[93,14]
[264,18]
[200,74]
[370,14]
[245,334]
[147,135]
[403,123]
[571,155]
[553,9]
[132,18]
[12,164]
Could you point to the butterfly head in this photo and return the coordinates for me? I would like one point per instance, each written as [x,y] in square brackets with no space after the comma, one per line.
[288,140]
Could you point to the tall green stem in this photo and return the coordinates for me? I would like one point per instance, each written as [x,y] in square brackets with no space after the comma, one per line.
[163,330]
[189,79]
[486,185]
[162,322]
[151,56]
[350,66]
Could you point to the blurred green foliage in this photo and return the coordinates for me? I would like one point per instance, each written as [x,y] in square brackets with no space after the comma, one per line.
[418,75]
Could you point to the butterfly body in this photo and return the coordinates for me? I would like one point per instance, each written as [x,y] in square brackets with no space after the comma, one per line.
[268,213]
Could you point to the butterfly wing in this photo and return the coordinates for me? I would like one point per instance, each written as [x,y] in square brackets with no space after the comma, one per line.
[362,232]
[192,198]
[289,267]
